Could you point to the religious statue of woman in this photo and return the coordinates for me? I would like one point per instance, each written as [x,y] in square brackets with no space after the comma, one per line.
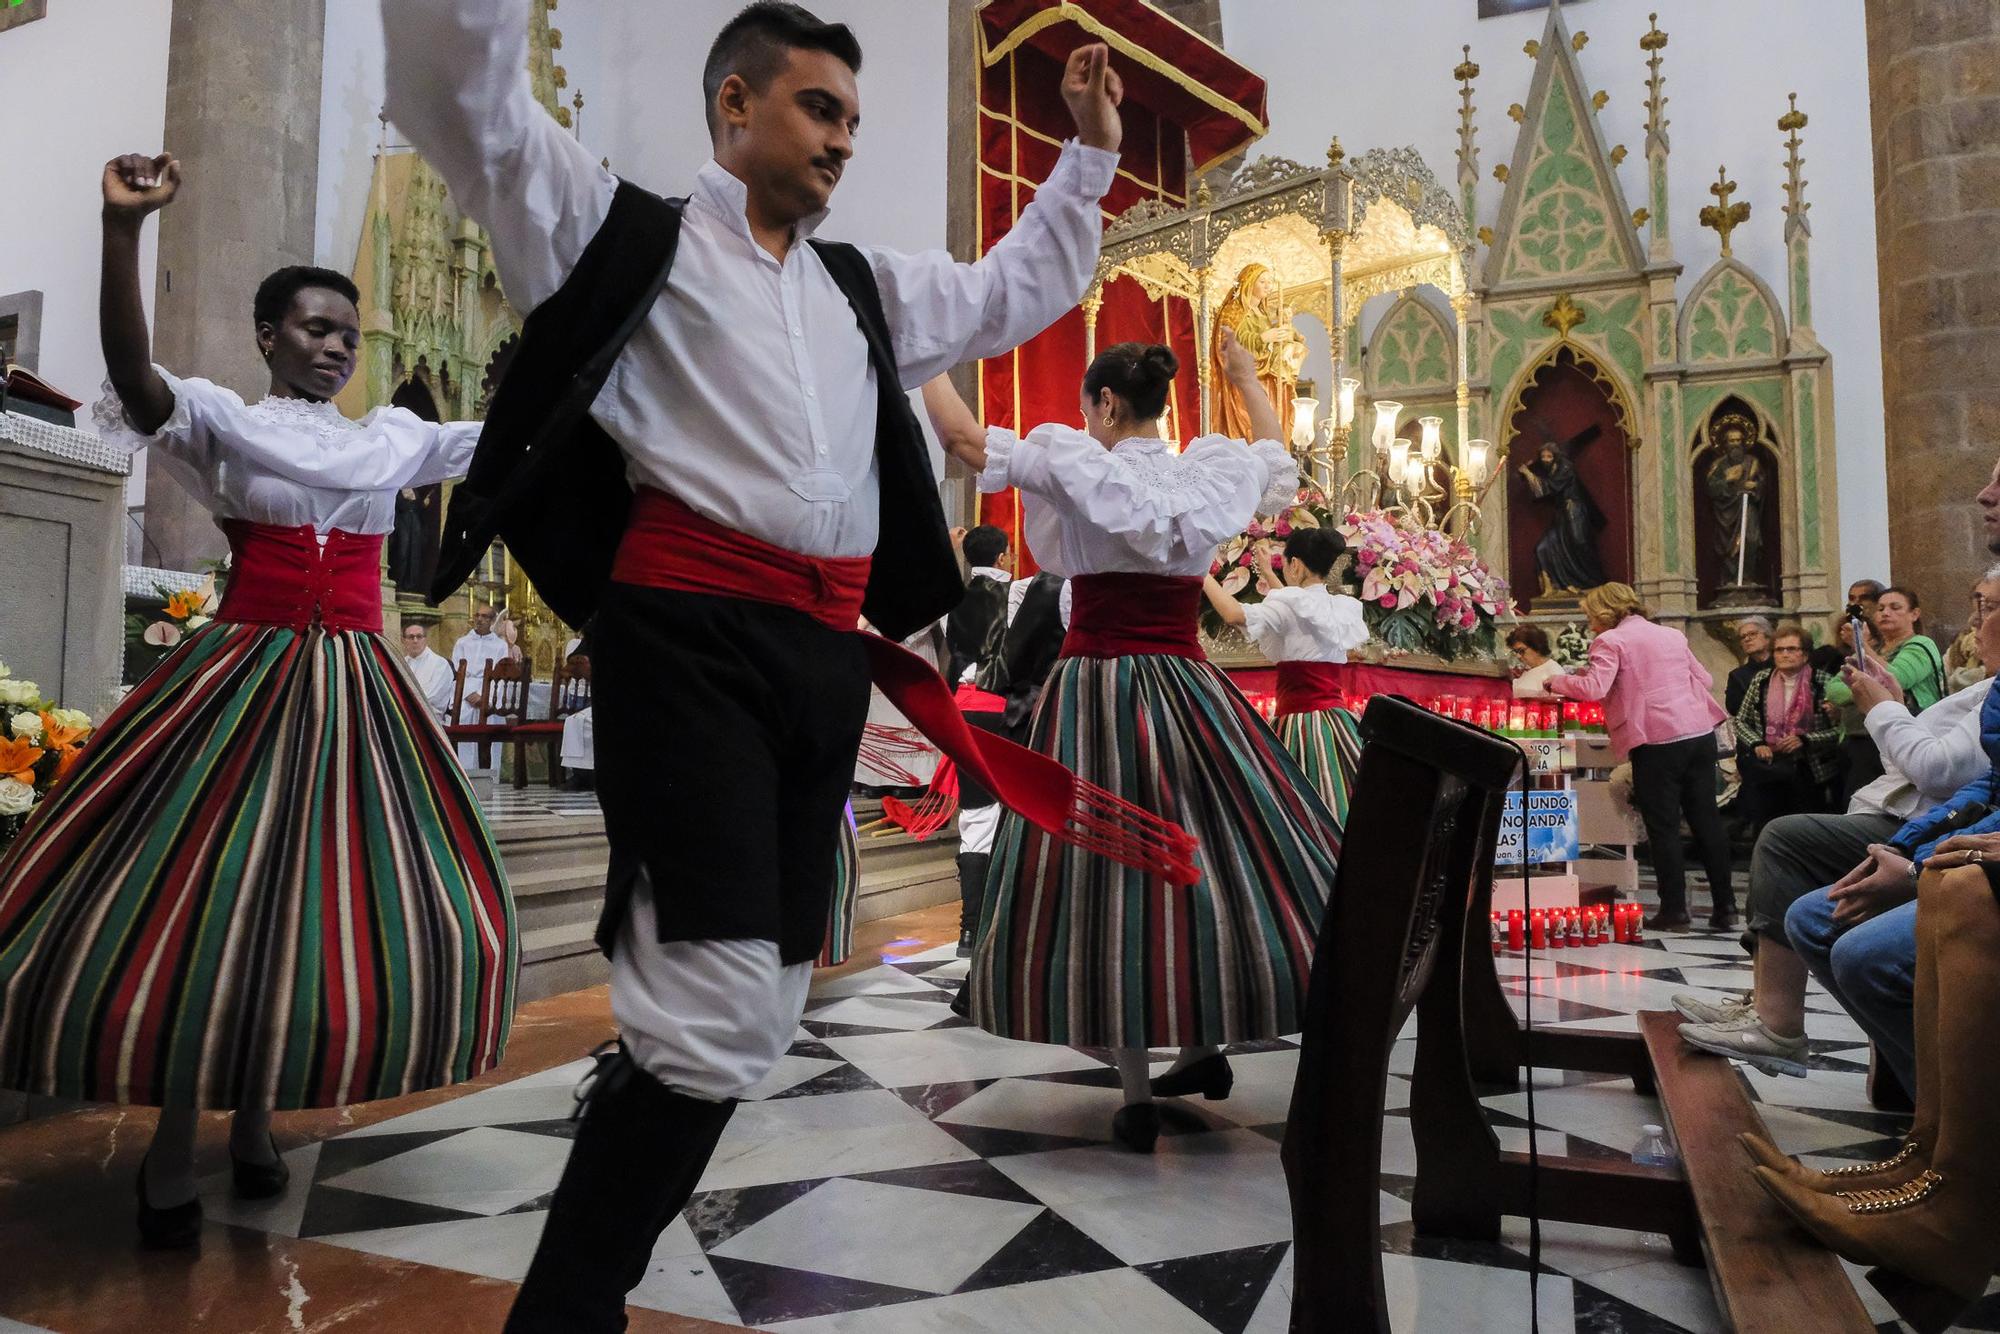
[1566,555]
[1254,312]
[1735,484]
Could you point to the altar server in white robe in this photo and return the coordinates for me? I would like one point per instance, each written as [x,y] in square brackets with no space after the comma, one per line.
[475,648]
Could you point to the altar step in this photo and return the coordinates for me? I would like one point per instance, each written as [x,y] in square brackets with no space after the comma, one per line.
[556,867]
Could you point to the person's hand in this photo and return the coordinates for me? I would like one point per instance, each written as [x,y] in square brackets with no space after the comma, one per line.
[1093,91]
[1845,636]
[135,185]
[1237,363]
[1881,882]
[476,700]
[1786,745]
[1872,685]
[1965,850]
[958,538]
[1763,752]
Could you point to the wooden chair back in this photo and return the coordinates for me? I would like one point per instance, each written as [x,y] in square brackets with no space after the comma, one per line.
[506,688]
[457,710]
[571,693]
[1424,820]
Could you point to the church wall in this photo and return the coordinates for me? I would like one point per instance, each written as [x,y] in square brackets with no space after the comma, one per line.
[81,86]
[1379,75]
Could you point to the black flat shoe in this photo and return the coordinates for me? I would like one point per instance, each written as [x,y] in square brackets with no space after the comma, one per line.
[1211,1077]
[961,1004]
[173,1229]
[1724,921]
[259,1181]
[1666,921]
[965,944]
[1137,1126]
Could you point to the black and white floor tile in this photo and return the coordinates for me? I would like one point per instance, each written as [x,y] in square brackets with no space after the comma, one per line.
[502,803]
[905,1173]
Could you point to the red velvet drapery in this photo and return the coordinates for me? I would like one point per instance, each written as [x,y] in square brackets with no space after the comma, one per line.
[1184,100]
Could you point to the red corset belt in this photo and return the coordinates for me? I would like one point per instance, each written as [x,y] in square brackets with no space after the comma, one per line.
[667,545]
[1309,687]
[283,576]
[1126,615]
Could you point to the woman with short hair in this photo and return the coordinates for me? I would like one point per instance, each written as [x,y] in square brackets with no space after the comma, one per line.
[1660,715]
[1529,645]
[1787,749]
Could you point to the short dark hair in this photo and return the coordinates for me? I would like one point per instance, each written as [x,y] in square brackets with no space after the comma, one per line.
[1319,548]
[984,545]
[1139,373]
[754,45]
[277,292]
[1529,637]
[1870,588]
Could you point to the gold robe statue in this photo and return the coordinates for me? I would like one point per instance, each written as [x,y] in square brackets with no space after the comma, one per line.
[1255,314]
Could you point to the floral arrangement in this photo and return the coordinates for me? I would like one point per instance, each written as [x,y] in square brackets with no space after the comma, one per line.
[149,637]
[1424,591]
[1421,590]
[1573,647]
[39,743]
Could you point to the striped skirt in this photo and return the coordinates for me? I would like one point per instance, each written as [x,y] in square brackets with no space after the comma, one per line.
[1076,949]
[1327,745]
[839,946]
[265,884]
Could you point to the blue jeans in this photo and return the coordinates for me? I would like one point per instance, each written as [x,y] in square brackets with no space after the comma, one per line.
[1870,968]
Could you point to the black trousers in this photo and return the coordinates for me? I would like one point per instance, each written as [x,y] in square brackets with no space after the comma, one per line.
[1864,765]
[1669,781]
[726,738]
[1774,787]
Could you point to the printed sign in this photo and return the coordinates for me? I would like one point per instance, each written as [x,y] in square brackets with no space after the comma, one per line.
[1551,833]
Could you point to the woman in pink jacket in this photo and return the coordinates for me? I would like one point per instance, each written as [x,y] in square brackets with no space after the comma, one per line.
[1662,717]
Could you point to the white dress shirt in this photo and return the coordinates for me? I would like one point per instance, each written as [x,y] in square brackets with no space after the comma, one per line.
[1306,624]
[1926,757]
[747,393]
[475,651]
[435,677]
[291,462]
[1138,508]
[1534,683]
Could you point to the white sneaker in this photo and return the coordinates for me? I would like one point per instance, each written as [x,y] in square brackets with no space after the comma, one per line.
[1747,1039]
[1701,1010]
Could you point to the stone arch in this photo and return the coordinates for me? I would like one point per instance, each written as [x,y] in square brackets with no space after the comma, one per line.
[1414,347]
[1731,316]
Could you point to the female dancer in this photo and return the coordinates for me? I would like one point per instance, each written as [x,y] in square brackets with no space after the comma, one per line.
[266,884]
[1072,947]
[1306,628]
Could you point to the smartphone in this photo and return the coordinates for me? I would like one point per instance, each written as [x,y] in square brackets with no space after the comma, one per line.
[1859,629]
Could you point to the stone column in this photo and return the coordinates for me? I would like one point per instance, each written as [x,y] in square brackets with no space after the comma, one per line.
[243,91]
[1935,102]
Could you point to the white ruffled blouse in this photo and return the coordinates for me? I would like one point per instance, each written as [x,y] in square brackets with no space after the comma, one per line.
[1309,624]
[1137,508]
[289,461]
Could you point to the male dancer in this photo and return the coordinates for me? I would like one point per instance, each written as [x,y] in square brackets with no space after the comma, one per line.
[753,389]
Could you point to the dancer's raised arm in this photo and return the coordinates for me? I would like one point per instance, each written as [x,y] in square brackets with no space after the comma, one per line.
[134,186]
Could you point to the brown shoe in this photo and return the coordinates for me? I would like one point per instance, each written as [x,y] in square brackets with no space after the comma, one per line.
[1935,1239]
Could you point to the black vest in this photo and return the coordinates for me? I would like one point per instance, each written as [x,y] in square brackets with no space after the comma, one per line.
[1028,650]
[550,483]
[974,628]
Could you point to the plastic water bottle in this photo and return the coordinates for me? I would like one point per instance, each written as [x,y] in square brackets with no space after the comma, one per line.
[1653,1149]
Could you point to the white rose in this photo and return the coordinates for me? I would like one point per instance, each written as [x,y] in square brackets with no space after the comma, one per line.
[75,719]
[19,692]
[16,797]
[26,726]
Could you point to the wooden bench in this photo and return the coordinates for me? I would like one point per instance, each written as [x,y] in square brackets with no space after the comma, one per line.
[1766,1273]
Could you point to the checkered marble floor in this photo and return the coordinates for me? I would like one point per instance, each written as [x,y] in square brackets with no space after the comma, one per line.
[904,1173]
[502,803]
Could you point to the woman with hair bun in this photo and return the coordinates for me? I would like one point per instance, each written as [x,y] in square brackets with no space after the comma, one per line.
[1072,947]
[1306,628]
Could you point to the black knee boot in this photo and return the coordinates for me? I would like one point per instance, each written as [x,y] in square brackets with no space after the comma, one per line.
[971,897]
[639,1151]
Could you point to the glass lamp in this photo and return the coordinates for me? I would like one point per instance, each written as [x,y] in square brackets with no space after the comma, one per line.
[1303,411]
[1345,408]
[1399,461]
[1432,443]
[1386,412]
[1478,454]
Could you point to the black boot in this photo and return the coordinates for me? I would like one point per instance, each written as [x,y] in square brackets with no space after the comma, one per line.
[639,1151]
[971,897]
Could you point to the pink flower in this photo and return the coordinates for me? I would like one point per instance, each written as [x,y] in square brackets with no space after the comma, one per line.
[1283,528]
[1243,559]
[1388,599]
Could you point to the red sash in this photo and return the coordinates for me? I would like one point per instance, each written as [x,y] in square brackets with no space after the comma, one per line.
[1123,615]
[668,545]
[1309,687]
[283,576]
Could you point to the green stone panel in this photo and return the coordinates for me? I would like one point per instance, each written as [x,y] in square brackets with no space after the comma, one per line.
[1562,224]
[1611,329]
[1731,322]
[1413,350]
[1807,427]
[1670,487]
[1801,284]
[1766,392]
[1663,333]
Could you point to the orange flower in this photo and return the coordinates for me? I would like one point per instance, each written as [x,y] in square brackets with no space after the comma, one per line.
[66,759]
[18,759]
[183,605]
[55,736]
